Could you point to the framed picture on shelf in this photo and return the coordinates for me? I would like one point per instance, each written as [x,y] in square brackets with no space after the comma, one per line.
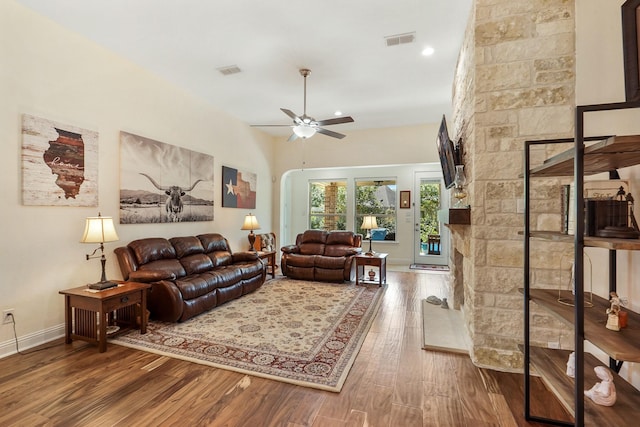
[630,25]
[405,199]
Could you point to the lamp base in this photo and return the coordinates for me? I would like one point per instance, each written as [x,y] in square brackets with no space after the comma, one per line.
[102,285]
[370,253]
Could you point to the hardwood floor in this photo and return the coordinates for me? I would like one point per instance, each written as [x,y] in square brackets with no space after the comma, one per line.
[393,382]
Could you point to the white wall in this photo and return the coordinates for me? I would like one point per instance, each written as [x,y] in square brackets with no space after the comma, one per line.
[360,154]
[401,250]
[52,73]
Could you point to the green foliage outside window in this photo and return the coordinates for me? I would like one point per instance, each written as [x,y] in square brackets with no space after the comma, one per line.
[323,216]
[429,205]
[376,198]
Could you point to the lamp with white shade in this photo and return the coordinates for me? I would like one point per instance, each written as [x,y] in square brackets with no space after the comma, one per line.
[100,229]
[251,223]
[369,223]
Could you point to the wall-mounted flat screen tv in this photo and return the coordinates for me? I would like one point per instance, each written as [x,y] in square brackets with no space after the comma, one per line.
[446,152]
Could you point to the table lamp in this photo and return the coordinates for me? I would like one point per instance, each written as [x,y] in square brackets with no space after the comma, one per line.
[369,223]
[251,223]
[99,229]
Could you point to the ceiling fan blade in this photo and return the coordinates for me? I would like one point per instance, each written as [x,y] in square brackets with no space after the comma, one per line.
[260,126]
[330,133]
[293,137]
[290,114]
[336,121]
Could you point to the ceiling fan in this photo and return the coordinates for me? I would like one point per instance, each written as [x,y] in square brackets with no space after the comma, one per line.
[306,126]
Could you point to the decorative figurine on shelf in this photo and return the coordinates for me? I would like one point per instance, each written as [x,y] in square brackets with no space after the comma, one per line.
[372,275]
[613,320]
[571,365]
[604,392]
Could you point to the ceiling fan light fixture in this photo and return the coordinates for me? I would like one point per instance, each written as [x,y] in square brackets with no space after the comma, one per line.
[304,131]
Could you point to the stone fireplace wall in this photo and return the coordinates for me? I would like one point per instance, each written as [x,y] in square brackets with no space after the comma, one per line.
[515,81]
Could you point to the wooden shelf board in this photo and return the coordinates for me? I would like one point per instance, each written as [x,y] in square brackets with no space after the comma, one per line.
[551,365]
[620,345]
[590,241]
[615,152]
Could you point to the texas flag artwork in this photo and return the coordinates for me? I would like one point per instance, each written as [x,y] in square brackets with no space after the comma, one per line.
[238,188]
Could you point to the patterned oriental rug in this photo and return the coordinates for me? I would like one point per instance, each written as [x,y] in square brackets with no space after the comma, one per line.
[299,332]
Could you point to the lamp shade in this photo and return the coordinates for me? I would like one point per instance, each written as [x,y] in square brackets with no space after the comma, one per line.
[369,223]
[250,223]
[304,131]
[99,229]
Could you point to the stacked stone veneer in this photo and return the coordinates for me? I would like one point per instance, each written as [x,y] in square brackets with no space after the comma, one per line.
[515,81]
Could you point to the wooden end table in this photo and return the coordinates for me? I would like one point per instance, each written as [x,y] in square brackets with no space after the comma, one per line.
[87,312]
[376,260]
[270,256]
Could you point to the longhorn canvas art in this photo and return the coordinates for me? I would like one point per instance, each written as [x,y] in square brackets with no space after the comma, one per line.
[163,183]
[59,164]
[238,188]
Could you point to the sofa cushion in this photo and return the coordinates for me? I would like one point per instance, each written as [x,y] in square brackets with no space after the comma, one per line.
[330,262]
[314,236]
[346,238]
[217,249]
[196,263]
[168,269]
[214,242]
[186,246]
[220,258]
[250,269]
[340,251]
[151,249]
[196,285]
[297,260]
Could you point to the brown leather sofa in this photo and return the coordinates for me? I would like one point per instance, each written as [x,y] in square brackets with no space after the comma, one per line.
[321,255]
[189,275]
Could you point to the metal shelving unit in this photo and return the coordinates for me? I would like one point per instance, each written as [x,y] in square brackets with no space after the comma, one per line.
[608,154]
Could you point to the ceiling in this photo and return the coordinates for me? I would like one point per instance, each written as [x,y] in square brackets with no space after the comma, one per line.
[341,41]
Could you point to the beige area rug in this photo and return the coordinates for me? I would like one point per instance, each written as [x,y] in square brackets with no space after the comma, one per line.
[299,332]
[443,329]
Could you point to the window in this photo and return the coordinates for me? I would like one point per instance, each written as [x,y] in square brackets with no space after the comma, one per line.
[378,198]
[328,205]
[429,223]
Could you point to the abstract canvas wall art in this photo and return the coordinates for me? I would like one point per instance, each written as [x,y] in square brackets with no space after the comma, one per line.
[59,164]
[238,188]
[163,183]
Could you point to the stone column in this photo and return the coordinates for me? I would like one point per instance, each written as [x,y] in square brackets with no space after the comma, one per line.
[515,81]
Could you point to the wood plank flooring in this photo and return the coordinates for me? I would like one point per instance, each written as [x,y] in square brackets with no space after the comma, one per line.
[393,382]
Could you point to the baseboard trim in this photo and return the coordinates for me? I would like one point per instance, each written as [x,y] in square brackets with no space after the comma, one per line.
[7,348]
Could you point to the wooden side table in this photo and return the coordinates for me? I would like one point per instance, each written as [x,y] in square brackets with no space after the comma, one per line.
[87,312]
[270,256]
[376,260]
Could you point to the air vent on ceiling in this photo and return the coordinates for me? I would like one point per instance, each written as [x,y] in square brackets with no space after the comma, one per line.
[400,39]
[231,69]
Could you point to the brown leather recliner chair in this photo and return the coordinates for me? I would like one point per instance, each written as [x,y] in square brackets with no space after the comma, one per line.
[322,255]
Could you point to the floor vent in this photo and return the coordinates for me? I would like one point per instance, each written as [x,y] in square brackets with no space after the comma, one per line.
[400,39]
[231,69]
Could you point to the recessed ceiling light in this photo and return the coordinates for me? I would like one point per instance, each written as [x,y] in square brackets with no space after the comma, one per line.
[428,51]
[337,113]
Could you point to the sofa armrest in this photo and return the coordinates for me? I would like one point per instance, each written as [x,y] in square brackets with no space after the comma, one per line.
[147,276]
[290,249]
[244,256]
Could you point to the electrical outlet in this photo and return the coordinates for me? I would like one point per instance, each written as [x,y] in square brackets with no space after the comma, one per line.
[7,316]
[553,344]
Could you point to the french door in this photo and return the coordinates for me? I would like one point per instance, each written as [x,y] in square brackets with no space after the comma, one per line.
[431,237]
